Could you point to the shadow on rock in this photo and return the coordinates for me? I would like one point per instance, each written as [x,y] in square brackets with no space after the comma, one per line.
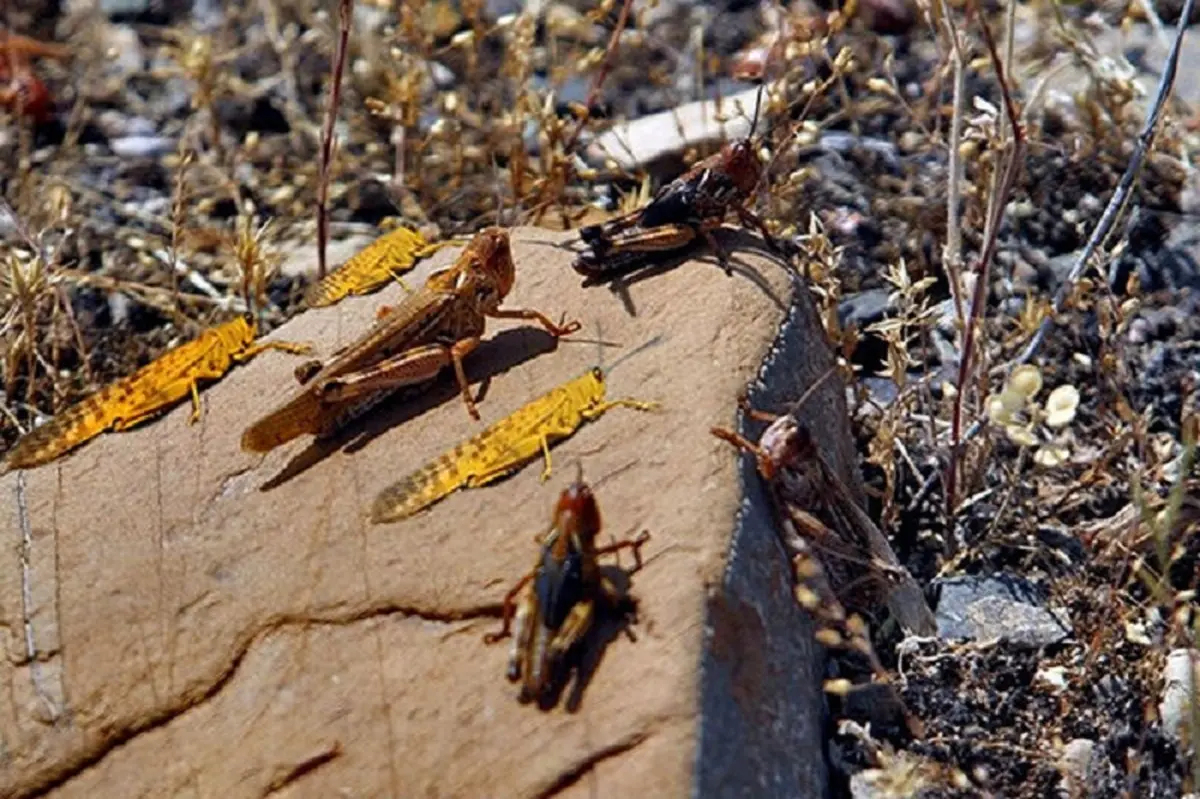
[583,660]
[495,356]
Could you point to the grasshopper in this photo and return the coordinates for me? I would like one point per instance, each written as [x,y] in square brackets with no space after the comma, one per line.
[814,510]
[147,392]
[554,605]
[506,446]
[693,205]
[409,345]
[372,267]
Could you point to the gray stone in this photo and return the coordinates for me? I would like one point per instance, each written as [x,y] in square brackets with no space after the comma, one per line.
[115,8]
[142,146]
[1076,766]
[1003,607]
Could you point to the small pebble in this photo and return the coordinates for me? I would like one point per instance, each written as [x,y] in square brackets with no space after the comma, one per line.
[1075,764]
[443,76]
[1177,690]
[142,146]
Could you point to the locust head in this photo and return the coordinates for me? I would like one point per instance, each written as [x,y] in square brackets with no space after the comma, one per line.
[493,260]
[577,516]
[782,444]
[741,163]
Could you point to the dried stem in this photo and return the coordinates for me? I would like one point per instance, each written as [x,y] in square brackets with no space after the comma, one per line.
[952,258]
[979,299]
[610,55]
[345,14]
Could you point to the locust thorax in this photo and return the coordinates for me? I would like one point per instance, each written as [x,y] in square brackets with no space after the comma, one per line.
[577,515]
[742,164]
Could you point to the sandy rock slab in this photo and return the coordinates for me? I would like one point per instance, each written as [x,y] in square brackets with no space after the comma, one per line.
[180,618]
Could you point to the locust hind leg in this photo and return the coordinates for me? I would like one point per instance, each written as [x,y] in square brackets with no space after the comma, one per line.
[407,368]
[519,653]
[122,424]
[573,628]
[599,237]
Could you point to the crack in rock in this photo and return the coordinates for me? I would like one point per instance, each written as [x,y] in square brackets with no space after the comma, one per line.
[68,769]
[588,764]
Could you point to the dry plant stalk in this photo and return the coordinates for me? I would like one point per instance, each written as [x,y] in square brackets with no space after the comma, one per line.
[406,346]
[345,15]
[504,447]
[996,206]
[554,605]
[148,392]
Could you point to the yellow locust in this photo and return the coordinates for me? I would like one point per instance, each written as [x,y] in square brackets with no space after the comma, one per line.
[372,267]
[147,392]
[504,447]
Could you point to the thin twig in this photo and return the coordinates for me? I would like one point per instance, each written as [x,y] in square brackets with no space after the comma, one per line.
[1141,149]
[952,258]
[345,9]
[991,235]
[610,55]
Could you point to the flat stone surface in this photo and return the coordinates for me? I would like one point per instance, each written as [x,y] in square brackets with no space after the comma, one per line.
[1003,607]
[173,628]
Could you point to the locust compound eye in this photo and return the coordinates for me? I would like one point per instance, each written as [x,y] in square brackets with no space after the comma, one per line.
[598,373]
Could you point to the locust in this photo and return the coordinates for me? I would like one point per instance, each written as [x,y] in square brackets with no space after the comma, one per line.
[146,393]
[20,87]
[550,610]
[504,447]
[432,328]
[843,567]
[691,206]
[374,266]
[816,516]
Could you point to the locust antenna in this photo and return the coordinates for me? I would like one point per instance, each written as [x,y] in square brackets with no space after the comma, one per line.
[645,345]
[757,108]
[499,193]
[813,388]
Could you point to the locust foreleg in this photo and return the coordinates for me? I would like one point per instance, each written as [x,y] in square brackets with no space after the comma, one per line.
[539,317]
[509,605]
